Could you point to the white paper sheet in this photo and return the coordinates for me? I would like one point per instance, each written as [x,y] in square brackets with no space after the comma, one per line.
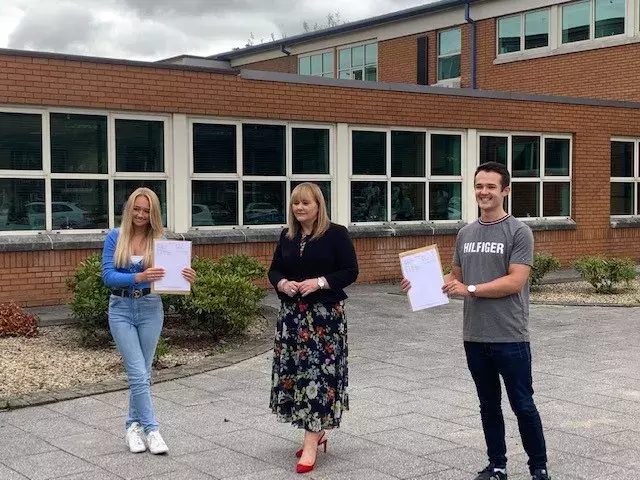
[424,271]
[173,256]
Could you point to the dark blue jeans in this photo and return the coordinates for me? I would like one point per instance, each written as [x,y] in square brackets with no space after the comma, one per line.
[487,362]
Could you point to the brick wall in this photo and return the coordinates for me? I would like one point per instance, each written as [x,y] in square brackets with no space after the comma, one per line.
[288,64]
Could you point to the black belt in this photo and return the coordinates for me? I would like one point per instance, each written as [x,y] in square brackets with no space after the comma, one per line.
[123,292]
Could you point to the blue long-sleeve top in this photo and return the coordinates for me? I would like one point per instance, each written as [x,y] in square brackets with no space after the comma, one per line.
[114,277]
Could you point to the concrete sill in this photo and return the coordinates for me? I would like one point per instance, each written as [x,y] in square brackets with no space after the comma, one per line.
[626,222]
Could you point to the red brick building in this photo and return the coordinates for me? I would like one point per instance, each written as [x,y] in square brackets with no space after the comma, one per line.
[389,116]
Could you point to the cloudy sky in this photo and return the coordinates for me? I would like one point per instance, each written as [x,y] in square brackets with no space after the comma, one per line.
[156,29]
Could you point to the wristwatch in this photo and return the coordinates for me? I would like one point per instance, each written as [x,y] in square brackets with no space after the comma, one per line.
[321,283]
[472,290]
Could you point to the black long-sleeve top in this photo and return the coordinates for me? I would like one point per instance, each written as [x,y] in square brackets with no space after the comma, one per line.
[331,256]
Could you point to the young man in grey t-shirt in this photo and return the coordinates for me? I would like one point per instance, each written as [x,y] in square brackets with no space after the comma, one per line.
[491,264]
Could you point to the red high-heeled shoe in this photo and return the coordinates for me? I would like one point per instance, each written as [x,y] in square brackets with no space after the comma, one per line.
[302,468]
[322,441]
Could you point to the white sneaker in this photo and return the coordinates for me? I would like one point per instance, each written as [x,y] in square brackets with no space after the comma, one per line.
[134,439]
[156,443]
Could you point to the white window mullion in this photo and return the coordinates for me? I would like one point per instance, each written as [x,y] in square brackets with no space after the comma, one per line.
[46,167]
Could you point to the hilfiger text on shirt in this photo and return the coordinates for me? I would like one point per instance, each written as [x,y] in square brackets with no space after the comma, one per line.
[483,247]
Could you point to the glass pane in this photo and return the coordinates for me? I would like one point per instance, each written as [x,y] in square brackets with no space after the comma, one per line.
[80,204]
[214,148]
[357,75]
[263,149]
[346,74]
[509,32]
[622,198]
[325,187]
[78,143]
[327,63]
[576,19]
[449,42]
[407,154]
[123,188]
[371,74]
[368,201]
[493,149]
[445,201]
[21,204]
[449,67]
[264,203]
[525,199]
[304,66]
[556,156]
[310,150]
[139,146]
[316,64]
[20,141]
[525,156]
[407,201]
[622,159]
[446,154]
[344,58]
[357,56]
[214,203]
[371,54]
[556,199]
[369,153]
[536,29]
[609,17]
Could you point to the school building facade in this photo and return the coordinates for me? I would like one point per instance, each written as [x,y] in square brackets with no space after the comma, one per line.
[390,116]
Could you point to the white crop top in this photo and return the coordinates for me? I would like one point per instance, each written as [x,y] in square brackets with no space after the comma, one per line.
[136,258]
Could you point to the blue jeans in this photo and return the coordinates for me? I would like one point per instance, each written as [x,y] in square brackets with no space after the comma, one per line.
[487,362]
[135,325]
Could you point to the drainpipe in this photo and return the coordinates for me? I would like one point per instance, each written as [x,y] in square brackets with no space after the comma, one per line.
[473,43]
[284,50]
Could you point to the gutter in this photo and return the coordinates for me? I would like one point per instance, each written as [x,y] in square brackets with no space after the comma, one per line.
[472,34]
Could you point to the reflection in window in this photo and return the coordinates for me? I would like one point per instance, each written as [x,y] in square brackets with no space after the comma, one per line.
[22,204]
[576,22]
[310,150]
[124,188]
[493,149]
[325,188]
[625,177]
[509,34]
[536,29]
[609,17]
[407,154]
[78,143]
[214,203]
[556,157]
[445,201]
[359,63]
[446,154]
[525,199]
[79,204]
[368,201]
[139,146]
[214,148]
[556,200]
[622,198]
[449,51]
[525,156]
[407,201]
[369,152]
[264,203]
[20,141]
[622,159]
[319,65]
[263,149]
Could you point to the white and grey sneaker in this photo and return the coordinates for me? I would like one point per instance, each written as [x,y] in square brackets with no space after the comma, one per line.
[156,443]
[134,438]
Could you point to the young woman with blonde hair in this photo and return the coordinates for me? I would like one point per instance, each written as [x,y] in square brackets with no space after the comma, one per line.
[135,314]
[312,264]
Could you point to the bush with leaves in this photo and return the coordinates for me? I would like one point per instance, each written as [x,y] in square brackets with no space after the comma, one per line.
[240,264]
[15,322]
[605,274]
[543,263]
[90,301]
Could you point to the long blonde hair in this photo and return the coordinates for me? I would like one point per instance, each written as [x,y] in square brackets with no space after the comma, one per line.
[310,191]
[122,255]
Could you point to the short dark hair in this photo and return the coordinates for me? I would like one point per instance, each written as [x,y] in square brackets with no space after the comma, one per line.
[498,168]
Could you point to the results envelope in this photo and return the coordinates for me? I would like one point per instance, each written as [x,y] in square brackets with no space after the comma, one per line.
[423,269]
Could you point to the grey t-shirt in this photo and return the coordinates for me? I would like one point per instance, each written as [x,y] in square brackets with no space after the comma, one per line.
[485,251]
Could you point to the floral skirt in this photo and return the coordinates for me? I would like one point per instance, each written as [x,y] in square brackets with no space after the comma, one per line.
[310,372]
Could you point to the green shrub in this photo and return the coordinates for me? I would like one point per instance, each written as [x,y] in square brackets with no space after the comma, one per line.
[242,265]
[446,270]
[90,301]
[605,274]
[162,350]
[543,263]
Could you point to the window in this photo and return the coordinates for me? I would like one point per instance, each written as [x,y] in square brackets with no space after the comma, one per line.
[625,177]
[68,183]
[589,19]
[540,167]
[449,48]
[230,188]
[525,31]
[359,62]
[399,176]
[318,65]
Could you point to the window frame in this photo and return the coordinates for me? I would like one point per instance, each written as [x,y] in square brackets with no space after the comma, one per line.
[425,180]
[540,179]
[450,55]
[523,33]
[592,24]
[111,176]
[240,178]
[635,180]
[331,50]
[351,69]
